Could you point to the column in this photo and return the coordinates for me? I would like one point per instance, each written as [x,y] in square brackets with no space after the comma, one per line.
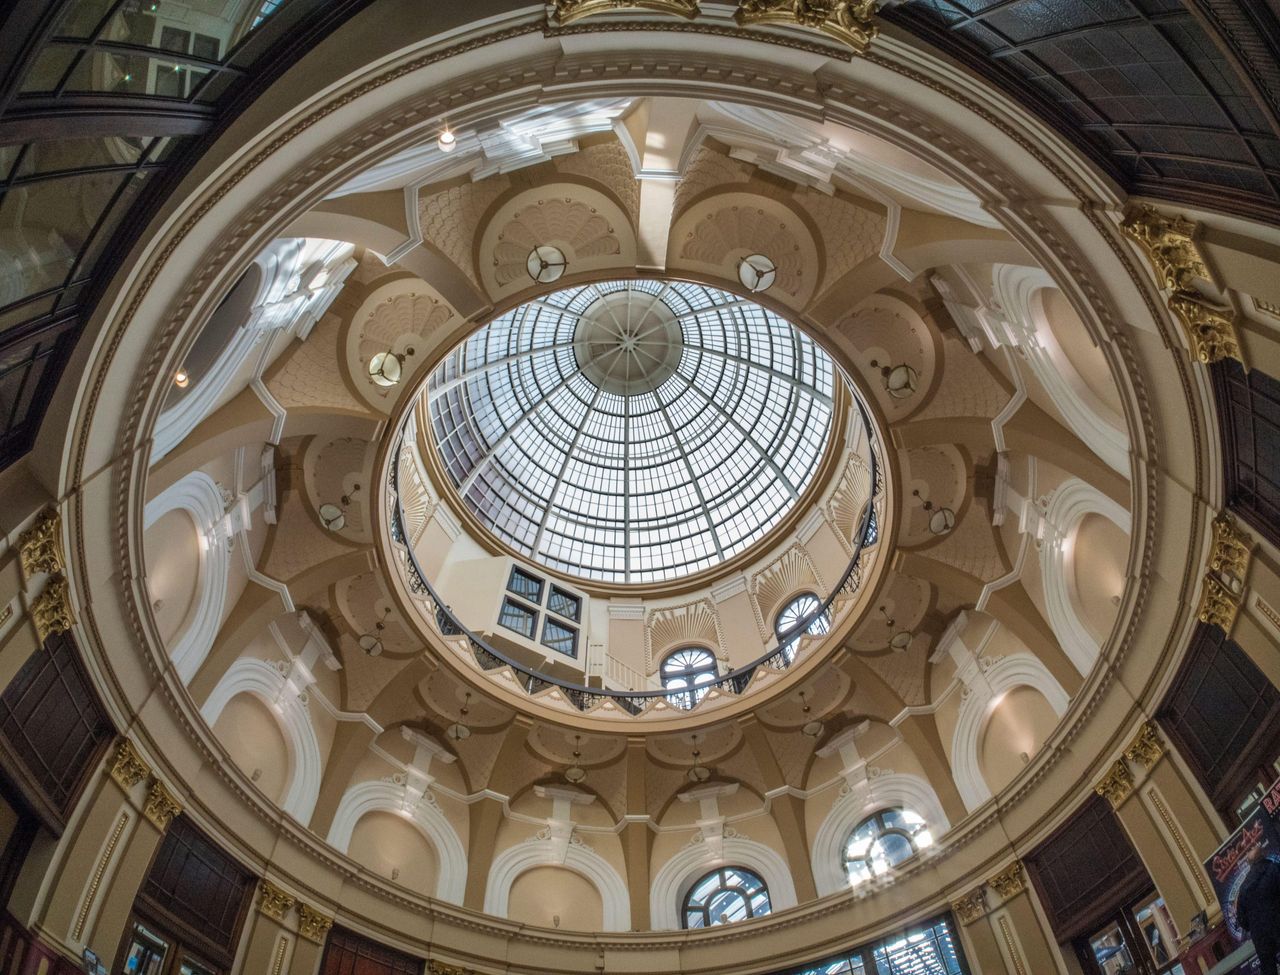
[285,936]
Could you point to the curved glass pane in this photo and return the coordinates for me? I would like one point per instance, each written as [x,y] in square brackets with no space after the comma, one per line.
[725,895]
[633,431]
[882,841]
[687,672]
[796,611]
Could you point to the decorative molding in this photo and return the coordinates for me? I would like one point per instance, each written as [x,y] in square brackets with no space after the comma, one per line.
[99,872]
[440,968]
[1218,606]
[567,11]
[161,806]
[1175,256]
[51,610]
[274,902]
[127,766]
[971,906]
[313,925]
[1170,246]
[1117,785]
[1146,747]
[852,22]
[1230,556]
[40,546]
[1009,882]
[277,962]
[1268,613]
[1210,329]
[1011,946]
[1207,897]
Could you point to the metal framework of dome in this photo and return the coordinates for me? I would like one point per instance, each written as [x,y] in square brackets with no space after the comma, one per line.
[633,431]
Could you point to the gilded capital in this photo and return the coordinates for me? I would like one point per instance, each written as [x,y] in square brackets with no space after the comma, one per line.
[1229,558]
[51,610]
[1218,605]
[1117,785]
[971,906]
[127,766]
[1211,330]
[40,546]
[161,806]
[274,902]
[852,22]
[1146,747]
[1170,243]
[439,968]
[1009,882]
[567,11]
[313,925]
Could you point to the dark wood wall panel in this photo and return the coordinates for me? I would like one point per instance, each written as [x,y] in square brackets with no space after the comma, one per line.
[53,729]
[347,953]
[198,889]
[1222,714]
[1086,871]
[1249,416]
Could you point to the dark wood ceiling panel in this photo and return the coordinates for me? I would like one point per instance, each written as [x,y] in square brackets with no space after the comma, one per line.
[1175,98]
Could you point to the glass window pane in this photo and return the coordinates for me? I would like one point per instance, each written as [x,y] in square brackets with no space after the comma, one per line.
[83,17]
[525,584]
[66,155]
[725,895]
[561,638]
[928,952]
[518,617]
[1111,952]
[42,228]
[48,69]
[565,604]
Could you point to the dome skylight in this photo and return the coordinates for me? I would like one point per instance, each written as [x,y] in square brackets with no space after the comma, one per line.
[633,431]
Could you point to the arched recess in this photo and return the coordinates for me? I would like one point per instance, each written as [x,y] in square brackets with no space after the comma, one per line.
[248,675]
[672,882]
[1017,290]
[199,495]
[582,860]
[1071,502]
[1015,670]
[885,791]
[383,796]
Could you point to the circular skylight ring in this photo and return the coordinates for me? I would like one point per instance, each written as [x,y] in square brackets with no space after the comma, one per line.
[633,431]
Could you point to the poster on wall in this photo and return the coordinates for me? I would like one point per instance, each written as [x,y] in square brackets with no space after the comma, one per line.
[1229,865]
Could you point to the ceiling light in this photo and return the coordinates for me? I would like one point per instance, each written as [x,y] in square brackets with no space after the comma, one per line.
[546,263]
[386,368]
[182,379]
[334,517]
[447,141]
[575,773]
[371,642]
[699,772]
[901,640]
[941,520]
[813,727]
[757,273]
[459,731]
[900,381]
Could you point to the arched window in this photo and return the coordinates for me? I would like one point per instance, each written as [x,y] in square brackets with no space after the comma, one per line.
[688,672]
[723,896]
[882,841]
[795,612]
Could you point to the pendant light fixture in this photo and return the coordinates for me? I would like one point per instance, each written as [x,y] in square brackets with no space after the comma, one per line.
[699,772]
[575,773]
[941,520]
[812,727]
[371,642]
[900,381]
[387,368]
[757,273]
[546,263]
[334,516]
[458,731]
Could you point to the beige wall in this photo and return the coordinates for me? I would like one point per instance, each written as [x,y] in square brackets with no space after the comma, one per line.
[1019,724]
[388,844]
[545,895]
[173,570]
[252,737]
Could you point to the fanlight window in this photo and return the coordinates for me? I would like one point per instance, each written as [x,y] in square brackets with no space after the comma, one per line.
[882,841]
[795,613]
[688,673]
[724,896]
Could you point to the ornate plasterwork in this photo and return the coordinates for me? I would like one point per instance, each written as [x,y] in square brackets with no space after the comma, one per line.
[40,546]
[697,622]
[1009,882]
[51,610]
[567,11]
[1146,747]
[274,902]
[440,968]
[127,766]
[971,906]
[851,22]
[313,925]
[1179,264]
[161,806]
[1218,605]
[1229,557]
[1117,785]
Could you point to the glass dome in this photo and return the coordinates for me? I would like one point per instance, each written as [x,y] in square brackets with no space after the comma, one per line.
[632,431]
